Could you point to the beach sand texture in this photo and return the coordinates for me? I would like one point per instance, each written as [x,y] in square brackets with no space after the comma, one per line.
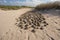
[9,31]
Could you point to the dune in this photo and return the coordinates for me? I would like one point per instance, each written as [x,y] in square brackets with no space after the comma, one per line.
[9,31]
[7,21]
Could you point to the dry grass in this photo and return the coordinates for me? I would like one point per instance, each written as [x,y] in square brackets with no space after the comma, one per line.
[55,5]
[13,7]
[10,7]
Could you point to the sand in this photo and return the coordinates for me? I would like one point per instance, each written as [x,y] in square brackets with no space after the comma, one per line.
[9,31]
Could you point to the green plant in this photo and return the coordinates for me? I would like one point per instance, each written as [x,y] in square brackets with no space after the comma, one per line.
[13,7]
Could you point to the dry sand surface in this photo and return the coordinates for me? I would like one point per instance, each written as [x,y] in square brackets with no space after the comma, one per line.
[9,31]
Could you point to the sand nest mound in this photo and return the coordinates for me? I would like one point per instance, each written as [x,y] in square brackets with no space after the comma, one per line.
[31,21]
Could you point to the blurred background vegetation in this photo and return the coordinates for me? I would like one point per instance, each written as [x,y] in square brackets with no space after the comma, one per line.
[4,7]
[43,6]
[47,6]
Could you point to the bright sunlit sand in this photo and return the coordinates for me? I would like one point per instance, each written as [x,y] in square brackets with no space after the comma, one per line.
[9,31]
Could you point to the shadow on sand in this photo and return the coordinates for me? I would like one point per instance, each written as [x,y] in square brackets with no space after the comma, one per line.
[54,12]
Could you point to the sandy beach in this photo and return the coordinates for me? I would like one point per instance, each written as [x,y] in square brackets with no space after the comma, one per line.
[9,31]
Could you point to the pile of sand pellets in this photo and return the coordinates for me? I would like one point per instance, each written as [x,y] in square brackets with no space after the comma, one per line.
[31,20]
